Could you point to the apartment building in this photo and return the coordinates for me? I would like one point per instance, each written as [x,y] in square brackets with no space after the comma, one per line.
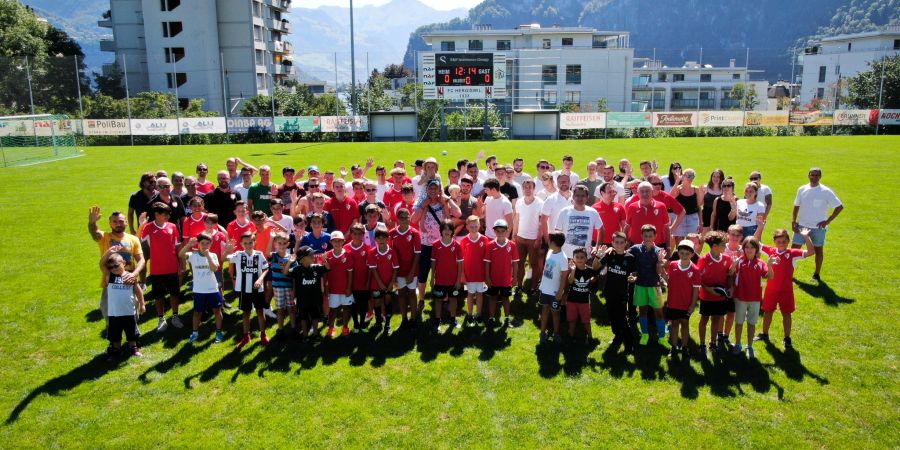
[658,87]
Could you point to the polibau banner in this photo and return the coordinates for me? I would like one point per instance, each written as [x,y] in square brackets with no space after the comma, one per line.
[201,125]
[249,125]
[105,127]
[856,117]
[721,118]
[766,118]
[812,118]
[582,121]
[628,120]
[344,124]
[889,117]
[298,124]
[674,119]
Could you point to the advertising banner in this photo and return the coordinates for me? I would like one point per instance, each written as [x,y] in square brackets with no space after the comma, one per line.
[582,121]
[250,125]
[344,124]
[628,120]
[298,124]
[105,127]
[202,125]
[674,119]
[721,118]
[812,118]
[16,128]
[766,118]
[889,117]
[856,117]
[154,127]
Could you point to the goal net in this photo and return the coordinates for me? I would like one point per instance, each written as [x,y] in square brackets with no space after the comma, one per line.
[36,138]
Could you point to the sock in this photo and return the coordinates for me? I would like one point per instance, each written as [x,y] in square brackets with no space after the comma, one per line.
[660,328]
[644,326]
[389,310]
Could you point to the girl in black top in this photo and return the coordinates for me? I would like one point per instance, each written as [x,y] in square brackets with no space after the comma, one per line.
[713,190]
[724,207]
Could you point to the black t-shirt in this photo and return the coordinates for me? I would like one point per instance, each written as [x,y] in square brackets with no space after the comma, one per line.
[186,201]
[308,283]
[580,291]
[365,203]
[138,202]
[509,191]
[329,222]
[221,204]
[177,208]
[617,269]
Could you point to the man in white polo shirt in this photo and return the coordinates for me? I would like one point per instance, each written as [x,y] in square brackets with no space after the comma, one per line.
[811,211]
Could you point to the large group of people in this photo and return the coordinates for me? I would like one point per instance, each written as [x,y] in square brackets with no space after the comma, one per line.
[339,253]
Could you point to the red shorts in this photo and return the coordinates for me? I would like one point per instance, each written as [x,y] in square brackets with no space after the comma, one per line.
[783,300]
[576,310]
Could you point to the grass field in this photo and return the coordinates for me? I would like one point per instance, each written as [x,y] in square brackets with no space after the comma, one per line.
[471,389]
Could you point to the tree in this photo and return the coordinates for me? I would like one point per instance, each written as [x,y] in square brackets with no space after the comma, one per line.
[863,88]
[372,95]
[392,71]
[111,84]
[745,94]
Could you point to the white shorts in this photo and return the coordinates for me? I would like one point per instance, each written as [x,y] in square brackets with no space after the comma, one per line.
[746,311]
[338,300]
[413,283]
[476,288]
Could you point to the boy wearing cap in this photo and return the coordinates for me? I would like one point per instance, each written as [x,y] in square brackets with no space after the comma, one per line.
[307,278]
[339,283]
[500,271]
[447,266]
[683,277]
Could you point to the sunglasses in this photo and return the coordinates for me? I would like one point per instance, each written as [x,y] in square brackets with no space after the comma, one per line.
[371,190]
[544,167]
[754,179]
[163,186]
[202,170]
[657,184]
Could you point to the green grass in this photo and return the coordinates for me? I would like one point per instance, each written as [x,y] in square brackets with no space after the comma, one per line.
[498,390]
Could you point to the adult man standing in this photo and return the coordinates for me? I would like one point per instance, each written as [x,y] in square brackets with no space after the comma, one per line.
[810,210]
[608,173]
[129,244]
[164,195]
[496,207]
[221,201]
[578,222]
[520,175]
[243,188]
[765,192]
[259,196]
[468,205]
[553,205]
[231,165]
[528,234]
[138,202]
[592,182]
[647,211]
[344,210]
[567,163]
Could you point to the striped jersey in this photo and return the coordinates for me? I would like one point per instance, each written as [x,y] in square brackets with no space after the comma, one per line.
[248,269]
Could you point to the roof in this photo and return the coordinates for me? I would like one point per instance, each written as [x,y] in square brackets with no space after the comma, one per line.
[524,31]
[891,32]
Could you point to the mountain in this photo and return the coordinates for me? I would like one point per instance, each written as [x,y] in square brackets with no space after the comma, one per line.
[79,19]
[677,29]
[381,31]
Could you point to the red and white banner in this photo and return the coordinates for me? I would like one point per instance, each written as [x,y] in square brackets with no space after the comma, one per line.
[582,121]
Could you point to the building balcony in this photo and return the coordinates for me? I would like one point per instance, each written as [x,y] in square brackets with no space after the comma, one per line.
[285,26]
[282,69]
[731,103]
[105,23]
[283,5]
[657,104]
[275,46]
[107,45]
[682,103]
[288,47]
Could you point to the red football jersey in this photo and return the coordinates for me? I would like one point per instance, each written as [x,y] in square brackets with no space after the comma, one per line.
[358,257]
[783,264]
[339,268]
[406,245]
[392,197]
[163,242]
[235,230]
[192,227]
[219,239]
[713,272]
[342,213]
[681,284]
[612,215]
[502,258]
[638,216]
[446,259]
[384,265]
[474,253]
[409,207]
[205,188]
[748,279]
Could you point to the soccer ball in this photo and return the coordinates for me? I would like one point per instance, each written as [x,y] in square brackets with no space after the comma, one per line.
[444,152]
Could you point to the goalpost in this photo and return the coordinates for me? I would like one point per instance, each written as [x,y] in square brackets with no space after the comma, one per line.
[30,139]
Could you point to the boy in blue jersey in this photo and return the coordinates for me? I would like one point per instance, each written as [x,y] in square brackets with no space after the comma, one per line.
[649,263]
[317,239]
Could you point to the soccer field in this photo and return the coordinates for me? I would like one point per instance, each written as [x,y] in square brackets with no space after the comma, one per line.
[470,388]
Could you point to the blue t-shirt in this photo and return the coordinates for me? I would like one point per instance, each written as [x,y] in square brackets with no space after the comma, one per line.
[645,260]
[320,245]
[279,280]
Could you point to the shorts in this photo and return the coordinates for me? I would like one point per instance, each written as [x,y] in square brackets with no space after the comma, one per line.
[549,300]
[817,235]
[378,294]
[284,297]
[499,291]
[746,312]
[443,292]
[338,300]
[424,263]
[646,296]
[575,311]
[712,307]
[403,284]
[750,231]
[783,300]
[729,305]
[120,324]
[165,286]
[253,300]
[309,310]
[205,303]
[476,288]
[361,296]
[676,314]
[690,224]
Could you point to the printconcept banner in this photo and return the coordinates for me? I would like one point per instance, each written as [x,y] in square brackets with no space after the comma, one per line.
[889,117]
[856,117]
[250,125]
[105,127]
[344,124]
[154,127]
[674,119]
[298,124]
[812,118]
[766,118]
[582,121]
[202,125]
[721,118]
[628,120]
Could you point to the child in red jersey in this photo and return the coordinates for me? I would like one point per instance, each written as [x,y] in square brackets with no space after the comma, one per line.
[362,300]
[714,292]
[339,283]
[683,277]
[780,288]
[407,244]
[383,267]
[447,271]
[164,243]
[748,272]
[500,271]
[474,247]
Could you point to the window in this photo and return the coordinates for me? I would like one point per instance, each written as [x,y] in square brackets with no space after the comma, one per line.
[820,93]
[168,5]
[174,54]
[735,76]
[896,44]
[257,33]
[837,69]
[504,45]
[260,81]
[704,95]
[573,74]
[573,97]
[678,77]
[260,58]
[548,74]
[476,44]
[567,42]
[550,97]
[171,29]
[705,77]
[662,77]
[448,46]
[849,46]
[180,77]
[258,9]
[822,70]
[677,95]
[546,44]
[599,42]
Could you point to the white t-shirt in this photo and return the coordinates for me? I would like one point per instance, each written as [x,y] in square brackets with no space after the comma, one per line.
[552,207]
[529,218]
[620,190]
[764,190]
[521,177]
[579,228]
[554,265]
[204,278]
[381,189]
[240,189]
[814,203]
[542,193]
[573,178]
[746,213]
[495,208]
[120,297]
[287,222]
[477,187]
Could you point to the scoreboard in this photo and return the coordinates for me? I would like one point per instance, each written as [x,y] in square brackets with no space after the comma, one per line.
[460,76]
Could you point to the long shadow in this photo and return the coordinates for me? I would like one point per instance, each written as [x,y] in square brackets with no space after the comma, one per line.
[789,362]
[93,316]
[229,361]
[616,362]
[492,341]
[823,291]
[547,354]
[681,369]
[180,358]
[576,357]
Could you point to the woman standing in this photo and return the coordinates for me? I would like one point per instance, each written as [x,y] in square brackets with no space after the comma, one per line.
[671,181]
[710,192]
[689,197]
[724,210]
[749,209]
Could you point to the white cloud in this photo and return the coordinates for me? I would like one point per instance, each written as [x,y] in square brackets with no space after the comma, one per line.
[436,4]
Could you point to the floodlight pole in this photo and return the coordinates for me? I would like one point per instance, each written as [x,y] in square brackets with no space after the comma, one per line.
[352,65]
[880,95]
[80,104]
[127,96]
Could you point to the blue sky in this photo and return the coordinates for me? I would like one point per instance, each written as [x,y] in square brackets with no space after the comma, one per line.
[436,4]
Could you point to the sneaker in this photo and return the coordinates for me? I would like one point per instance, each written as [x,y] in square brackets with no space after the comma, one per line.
[479,320]
[645,338]
[506,322]
[219,337]
[455,324]
[664,343]
[762,337]
[369,316]
[702,351]
[135,351]
[544,337]
[264,340]
[816,277]
[750,353]
[270,314]
[226,305]
[557,338]
[244,341]
[736,350]
[788,345]
[194,336]
[331,332]
[176,321]
[345,331]
[161,325]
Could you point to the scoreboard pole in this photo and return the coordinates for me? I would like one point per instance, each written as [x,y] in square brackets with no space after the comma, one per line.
[486,134]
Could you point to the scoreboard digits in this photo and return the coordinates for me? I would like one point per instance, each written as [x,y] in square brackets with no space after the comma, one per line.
[470,69]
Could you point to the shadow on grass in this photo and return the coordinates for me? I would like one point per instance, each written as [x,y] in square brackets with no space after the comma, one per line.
[823,291]
[789,362]
[93,316]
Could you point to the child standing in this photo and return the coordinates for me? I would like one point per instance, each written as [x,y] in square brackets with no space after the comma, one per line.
[407,244]
[683,277]
[556,269]
[358,252]
[340,283]
[124,300]
[714,268]
[383,265]
[780,288]
[447,270]
[307,278]
[581,281]
[500,271]
[282,286]
[649,264]
[618,263]
[207,298]
[474,247]
[250,268]
[748,272]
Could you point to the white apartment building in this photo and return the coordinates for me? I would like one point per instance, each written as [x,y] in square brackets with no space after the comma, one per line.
[657,87]
[551,66]
[196,46]
[828,61]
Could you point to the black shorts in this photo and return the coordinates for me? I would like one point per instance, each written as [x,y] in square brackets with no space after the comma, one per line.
[443,292]
[309,310]
[713,307]
[165,286]
[729,305]
[253,300]
[361,297]
[499,291]
[119,324]
[675,314]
